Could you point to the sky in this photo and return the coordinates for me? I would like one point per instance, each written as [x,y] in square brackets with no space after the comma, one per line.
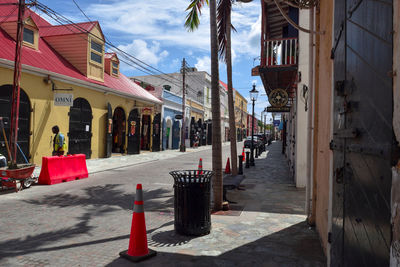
[153,31]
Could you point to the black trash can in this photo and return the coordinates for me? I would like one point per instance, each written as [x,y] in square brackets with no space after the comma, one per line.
[192,202]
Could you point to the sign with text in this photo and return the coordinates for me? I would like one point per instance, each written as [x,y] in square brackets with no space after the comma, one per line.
[63,99]
[277,122]
[278,109]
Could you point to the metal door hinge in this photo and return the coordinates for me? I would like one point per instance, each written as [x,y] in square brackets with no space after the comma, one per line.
[347,133]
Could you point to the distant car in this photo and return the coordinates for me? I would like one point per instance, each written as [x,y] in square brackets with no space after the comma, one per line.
[256,142]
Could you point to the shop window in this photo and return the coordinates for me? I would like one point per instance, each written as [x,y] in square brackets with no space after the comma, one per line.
[96,52]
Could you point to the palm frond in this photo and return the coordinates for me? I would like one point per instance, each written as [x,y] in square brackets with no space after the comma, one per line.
[223,13]
[192,21]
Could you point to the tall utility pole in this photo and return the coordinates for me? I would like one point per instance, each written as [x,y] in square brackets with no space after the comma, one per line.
[183,147]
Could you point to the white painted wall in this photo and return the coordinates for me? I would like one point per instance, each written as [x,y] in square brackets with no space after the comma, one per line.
[302,122]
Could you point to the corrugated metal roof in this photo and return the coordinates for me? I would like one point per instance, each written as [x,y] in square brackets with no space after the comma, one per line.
[67,29]
[47,59]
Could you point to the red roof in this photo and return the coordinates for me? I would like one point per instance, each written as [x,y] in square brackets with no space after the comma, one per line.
[224,85]
[67,29]
[48,60]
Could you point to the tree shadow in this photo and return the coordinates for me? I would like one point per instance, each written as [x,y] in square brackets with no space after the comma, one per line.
[297,245]
[110,196]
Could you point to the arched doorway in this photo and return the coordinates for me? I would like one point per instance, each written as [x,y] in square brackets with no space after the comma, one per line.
[134,132]
[156,133]
[168,134]
[119,130]
[23,125]
[145,133]
[80,128]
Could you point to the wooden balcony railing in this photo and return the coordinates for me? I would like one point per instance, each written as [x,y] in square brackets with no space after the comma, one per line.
[279,52]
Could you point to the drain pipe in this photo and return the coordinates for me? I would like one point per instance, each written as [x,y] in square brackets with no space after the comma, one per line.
[310,115]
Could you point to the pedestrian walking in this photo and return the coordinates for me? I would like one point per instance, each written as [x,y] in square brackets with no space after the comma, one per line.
[59,146]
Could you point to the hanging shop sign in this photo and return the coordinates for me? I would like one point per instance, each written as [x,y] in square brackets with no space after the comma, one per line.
[63,99]
[278,98]
[146,111]
[278,109]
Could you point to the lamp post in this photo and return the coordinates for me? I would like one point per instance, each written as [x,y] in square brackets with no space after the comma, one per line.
[253,98]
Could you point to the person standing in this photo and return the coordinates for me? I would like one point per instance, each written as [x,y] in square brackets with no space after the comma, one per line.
[59,146]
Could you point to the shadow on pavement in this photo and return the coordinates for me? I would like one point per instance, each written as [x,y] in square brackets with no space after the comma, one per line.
[110,196]
[293,246]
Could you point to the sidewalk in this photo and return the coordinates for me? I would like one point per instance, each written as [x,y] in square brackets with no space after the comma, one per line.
[119,160]
[266,228]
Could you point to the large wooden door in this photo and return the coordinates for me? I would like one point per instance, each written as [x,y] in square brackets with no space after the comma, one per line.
[80,128]
[23,126]
[109,127]
[156,132]
[363,136]
[133,132]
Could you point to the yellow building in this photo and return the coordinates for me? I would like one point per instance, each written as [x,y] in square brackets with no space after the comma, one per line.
[240,115]
[68,80]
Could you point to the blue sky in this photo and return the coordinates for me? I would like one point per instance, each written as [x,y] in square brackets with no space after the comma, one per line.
[153,31]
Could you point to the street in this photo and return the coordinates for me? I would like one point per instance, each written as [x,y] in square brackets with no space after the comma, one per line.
[87,222]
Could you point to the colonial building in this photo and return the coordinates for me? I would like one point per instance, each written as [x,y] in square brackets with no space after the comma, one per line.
[68,80]
[240,111]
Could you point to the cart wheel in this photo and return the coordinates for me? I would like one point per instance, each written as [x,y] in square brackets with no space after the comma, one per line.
[28,182]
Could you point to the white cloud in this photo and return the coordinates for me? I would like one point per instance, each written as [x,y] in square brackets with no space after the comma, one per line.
[150,54]
[204,64]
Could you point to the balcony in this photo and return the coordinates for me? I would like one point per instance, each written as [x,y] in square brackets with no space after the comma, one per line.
[279,53]
[278,64]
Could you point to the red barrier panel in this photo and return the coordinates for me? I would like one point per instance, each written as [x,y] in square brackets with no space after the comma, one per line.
[58,169]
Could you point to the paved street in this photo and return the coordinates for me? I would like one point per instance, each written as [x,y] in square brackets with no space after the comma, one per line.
[87,222]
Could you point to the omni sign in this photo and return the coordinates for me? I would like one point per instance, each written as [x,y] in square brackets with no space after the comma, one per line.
[63,99]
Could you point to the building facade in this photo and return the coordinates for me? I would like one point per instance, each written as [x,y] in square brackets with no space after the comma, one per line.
[68,80]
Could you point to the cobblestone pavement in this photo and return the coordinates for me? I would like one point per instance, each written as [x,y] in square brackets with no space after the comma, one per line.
[87,223]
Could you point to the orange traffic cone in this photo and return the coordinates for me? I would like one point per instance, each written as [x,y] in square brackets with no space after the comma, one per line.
[228,167]
[138,250]
[200,167]
[244,157]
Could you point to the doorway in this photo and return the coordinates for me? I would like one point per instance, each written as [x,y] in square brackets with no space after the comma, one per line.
[145,137]
[80,128]
[24,122]
[119,130]
[168,134]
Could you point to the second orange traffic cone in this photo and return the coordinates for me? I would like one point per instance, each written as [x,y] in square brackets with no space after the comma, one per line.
[138,250]
[200,167]
[228,167]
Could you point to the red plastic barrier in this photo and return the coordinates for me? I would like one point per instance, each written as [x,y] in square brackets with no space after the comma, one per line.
[58,169]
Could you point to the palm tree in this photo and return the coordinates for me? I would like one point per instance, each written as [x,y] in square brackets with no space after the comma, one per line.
[224,40]
[192,22]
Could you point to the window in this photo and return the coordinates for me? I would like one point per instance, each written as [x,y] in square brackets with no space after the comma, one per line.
[28,36]
[95,57]
[115,68]
[96,53]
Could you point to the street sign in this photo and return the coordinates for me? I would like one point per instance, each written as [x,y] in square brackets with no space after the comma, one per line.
[178,116]
[277,122]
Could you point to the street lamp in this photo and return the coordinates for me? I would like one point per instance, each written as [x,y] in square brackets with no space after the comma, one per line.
[253,98]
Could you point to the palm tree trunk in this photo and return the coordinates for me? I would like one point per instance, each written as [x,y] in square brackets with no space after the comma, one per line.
[232,124]
[216,112]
